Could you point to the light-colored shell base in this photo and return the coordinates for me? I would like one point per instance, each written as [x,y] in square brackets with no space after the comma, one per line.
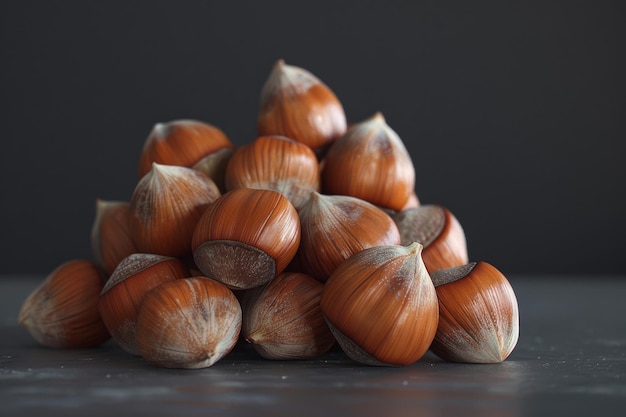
[235,264]
[354,351]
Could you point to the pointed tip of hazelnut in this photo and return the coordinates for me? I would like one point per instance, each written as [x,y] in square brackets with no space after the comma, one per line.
[292,77]
[415,247]
[317,198]
[378,116]
[278,69]
[23,319]
[160,128]
[162,168]
[103,203]
[377,120]
[155,168]
[171,169]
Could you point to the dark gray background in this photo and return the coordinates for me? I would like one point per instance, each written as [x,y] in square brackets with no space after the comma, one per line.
[513,113]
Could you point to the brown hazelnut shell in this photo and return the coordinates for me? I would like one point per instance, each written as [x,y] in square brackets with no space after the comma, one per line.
[479,314]
[62,311]
[381,305]
[111,239]
[189,323]
[370,162]
[246,237]
[276,163]
[124,291]
[183,142]
[283,319]
[438,230]
[297,104]
[334,227]
[165,207]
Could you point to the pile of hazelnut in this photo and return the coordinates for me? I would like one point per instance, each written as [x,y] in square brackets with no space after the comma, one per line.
[310,235]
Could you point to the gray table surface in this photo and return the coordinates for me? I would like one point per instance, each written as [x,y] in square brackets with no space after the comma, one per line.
[570,359]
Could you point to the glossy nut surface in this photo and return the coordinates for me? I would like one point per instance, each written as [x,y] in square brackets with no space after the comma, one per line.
[370,162]
[246,237]
[334,227]
[183,142]
[297,104]
[479,314]
[276,163]
[123,293]
[165,207]
[382,306]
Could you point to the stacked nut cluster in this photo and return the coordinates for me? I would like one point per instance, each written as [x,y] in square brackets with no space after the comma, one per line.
[310,235]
